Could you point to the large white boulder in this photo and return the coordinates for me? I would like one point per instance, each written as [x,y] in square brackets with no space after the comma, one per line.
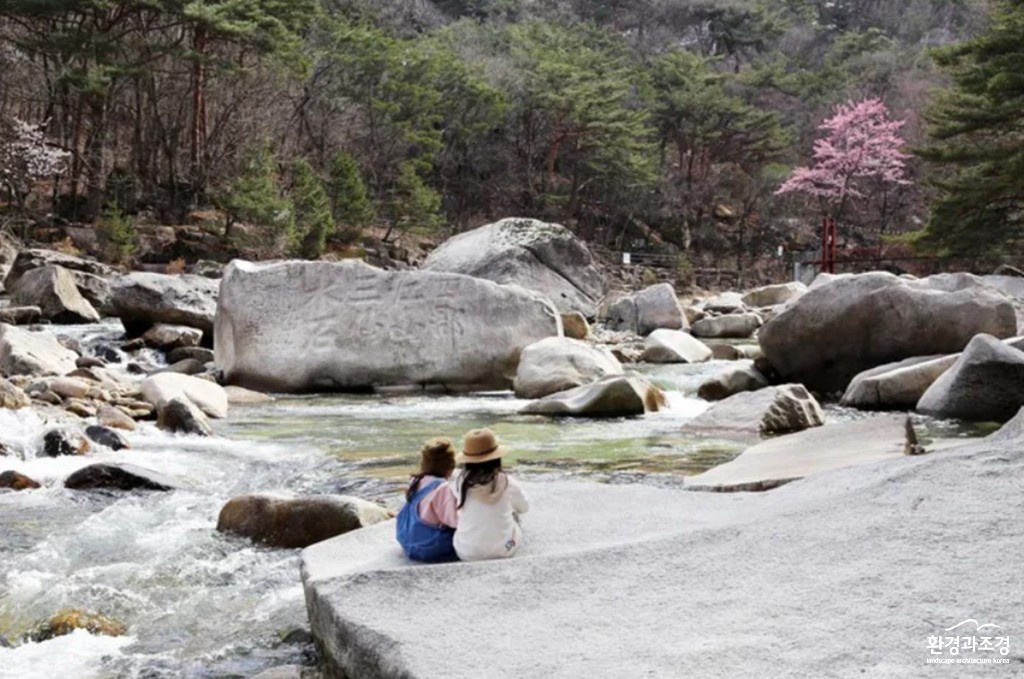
[301,326]
[674,346]
[539,256]
[856,559]
[23,352]
[558,363]
[145,299]
[53,290]
[850,324]
[985,384]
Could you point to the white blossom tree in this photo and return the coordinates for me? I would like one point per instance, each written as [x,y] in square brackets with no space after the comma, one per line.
[25,158]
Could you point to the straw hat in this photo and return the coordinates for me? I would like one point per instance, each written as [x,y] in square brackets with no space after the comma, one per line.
[480,445]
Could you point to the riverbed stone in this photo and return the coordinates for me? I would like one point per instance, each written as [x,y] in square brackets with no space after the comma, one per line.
[674,346]
[120,476]
[186,366]
[770,295]
[766,412]
[646,311]
[25,352]
[13,480]
[300,326]
[985,384]
[208,396]
[21,315]
[292,522]
[853,323]
[735,326]
[106,437]
[780,460]
[114,417]
[200,354]
[181,416]
[559,363]
[575,325]
[165,336]
[546,258]
[69,387]
[52,289]
[68,621]
[12,397]
[732,380]
[243,396]
[613,396]
[144,299]
[896,386]
[61,442]
[725,303]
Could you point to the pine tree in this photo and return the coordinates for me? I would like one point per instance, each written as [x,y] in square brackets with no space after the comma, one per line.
[978,149]
[313,220]
[411,204]
[255,196]
[347,192]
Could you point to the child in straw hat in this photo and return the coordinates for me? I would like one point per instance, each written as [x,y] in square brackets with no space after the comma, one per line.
[426,524]
[489,501]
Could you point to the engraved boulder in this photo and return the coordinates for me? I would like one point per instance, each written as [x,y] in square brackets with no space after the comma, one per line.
[539,256]
[305,326]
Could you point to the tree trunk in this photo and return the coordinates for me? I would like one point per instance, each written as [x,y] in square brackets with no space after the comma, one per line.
[197,169]
[95,170]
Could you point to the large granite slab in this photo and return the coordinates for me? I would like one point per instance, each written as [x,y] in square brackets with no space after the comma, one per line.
[845,573]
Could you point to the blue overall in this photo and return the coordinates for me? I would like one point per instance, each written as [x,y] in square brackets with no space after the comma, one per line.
[420,540]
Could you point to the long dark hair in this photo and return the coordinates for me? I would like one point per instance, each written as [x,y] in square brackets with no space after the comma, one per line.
[437,458]
[479,474]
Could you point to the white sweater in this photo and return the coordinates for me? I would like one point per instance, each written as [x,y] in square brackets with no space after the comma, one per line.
[486,528]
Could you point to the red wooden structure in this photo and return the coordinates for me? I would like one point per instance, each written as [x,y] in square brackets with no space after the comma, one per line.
[828,245]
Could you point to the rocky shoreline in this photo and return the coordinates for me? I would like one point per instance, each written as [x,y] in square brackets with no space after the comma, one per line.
[518,305]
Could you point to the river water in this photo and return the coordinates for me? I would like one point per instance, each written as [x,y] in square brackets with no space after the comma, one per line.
[200,604]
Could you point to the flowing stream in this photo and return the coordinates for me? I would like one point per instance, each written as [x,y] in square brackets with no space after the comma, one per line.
[197,603]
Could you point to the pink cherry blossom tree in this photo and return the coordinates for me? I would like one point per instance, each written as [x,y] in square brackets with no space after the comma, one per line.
[860,154]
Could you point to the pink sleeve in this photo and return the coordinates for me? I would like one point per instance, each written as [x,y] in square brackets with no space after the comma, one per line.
[440,507]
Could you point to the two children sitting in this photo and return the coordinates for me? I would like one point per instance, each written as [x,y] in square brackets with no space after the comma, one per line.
[471,516]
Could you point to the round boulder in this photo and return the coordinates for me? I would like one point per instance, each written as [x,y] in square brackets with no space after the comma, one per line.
[848,324]
[294,523]
[674,346]
[559,363]
[119,477]
[615,396]
[13,480]
[732,380]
